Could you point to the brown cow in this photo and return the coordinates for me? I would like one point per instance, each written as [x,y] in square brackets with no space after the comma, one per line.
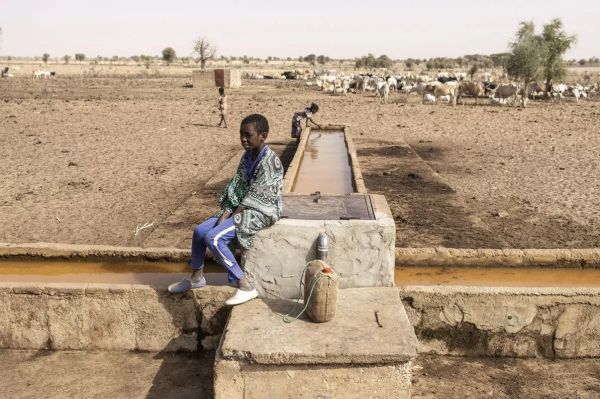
[468,88]
[446,89]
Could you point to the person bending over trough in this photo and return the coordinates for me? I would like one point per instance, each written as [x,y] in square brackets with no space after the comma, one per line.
[251,201]
[299,116]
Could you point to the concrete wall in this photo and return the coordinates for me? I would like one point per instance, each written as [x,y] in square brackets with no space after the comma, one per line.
[507,257]
[360,251]
[516,322]
[203,78]
[109,317]
[463,321]
[211,78]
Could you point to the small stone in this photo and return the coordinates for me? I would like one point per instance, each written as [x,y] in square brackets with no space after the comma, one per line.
[501,214]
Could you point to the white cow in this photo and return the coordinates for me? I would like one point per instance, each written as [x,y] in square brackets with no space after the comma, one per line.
[559,90]
[429,99]
[41,74]
[383,91]
[393,83]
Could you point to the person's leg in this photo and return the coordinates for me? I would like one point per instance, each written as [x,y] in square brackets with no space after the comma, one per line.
[217,240]
[199,247]
[224,116]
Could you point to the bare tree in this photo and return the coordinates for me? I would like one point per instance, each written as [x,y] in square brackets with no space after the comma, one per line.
[204,50]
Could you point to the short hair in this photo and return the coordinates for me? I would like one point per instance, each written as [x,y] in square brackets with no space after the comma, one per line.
[221,90]
[314,107]
[261,124]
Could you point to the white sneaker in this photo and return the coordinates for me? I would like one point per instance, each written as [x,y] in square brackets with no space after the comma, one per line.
[241,296]
[185,285]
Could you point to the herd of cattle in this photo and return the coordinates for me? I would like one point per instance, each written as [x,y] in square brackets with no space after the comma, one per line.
[447,88]
[444,87]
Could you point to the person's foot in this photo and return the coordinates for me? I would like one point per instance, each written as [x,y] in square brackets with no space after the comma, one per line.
[241,296]
[185,285]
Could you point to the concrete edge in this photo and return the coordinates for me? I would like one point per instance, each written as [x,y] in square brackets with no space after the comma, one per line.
[455,257]
[490,291]
[292,171]
[357,178]
[46,250]
[484,257]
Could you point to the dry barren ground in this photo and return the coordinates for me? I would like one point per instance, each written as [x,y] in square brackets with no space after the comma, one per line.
[31,374]
[89,159]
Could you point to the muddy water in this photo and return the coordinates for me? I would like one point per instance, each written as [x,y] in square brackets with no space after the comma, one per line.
[161,274]
[325,165]
[158,274]
[497,277]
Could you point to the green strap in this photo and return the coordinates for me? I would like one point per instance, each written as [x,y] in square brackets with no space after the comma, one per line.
[287,318]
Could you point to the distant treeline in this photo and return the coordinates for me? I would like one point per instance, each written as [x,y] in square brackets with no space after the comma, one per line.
[497,60]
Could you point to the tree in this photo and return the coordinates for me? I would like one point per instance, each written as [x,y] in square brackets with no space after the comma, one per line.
[169,55]
[45,58]
[322,59]
[383,61]
[66,58]
[310,58]
[525,59]
[135,58]
[473,70]
[556,43]
[147,60]
[204,50]
[79,56]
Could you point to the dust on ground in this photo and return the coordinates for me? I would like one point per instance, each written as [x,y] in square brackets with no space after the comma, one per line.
[31,374]
[92,159]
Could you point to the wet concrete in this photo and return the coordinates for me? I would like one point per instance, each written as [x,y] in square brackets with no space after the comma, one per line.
[325,165]
[156,274]
[497,277]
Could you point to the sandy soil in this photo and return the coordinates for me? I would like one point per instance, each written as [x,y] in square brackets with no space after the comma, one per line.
[31,374]
[89,159]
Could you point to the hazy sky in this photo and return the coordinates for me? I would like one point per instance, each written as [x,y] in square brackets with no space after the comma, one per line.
[339,29]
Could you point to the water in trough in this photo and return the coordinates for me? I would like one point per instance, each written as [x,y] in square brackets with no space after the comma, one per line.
[325,165]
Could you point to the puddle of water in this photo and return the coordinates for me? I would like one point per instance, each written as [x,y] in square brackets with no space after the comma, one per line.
[497,277]
[158,274]
[325,165]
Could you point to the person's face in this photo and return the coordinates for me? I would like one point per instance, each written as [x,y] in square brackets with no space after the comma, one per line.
[250,138]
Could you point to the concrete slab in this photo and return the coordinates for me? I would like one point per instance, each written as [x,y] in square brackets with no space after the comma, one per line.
[365,351]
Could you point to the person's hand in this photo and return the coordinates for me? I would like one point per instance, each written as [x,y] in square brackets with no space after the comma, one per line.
[224,217]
